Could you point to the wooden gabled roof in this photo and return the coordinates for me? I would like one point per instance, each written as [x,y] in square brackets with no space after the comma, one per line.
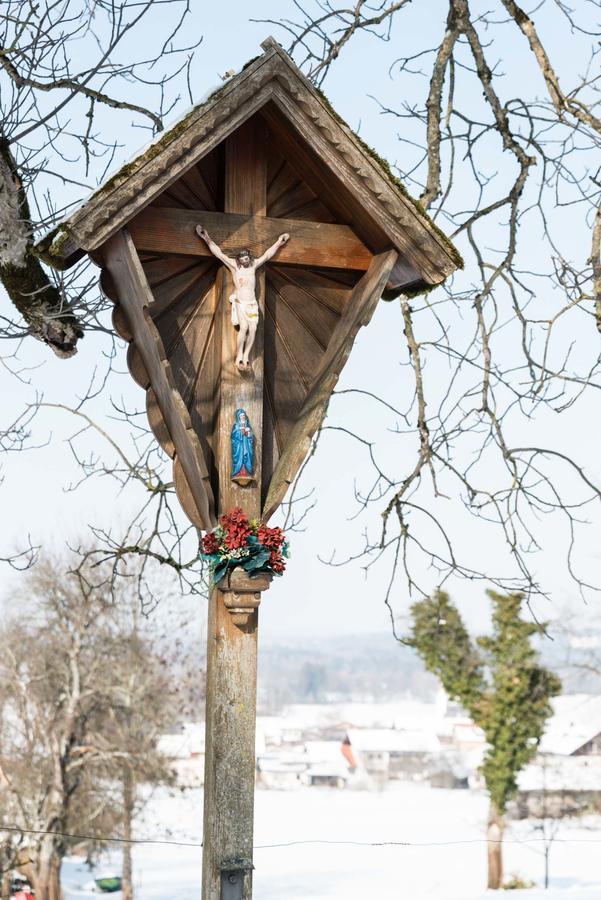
[263,155]
[342,171]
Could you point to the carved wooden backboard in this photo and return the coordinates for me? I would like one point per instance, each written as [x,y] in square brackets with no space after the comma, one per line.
[313,296]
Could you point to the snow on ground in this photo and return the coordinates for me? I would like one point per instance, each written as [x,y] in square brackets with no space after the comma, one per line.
[446,862]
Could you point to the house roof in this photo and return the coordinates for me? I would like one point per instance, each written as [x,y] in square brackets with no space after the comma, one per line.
[562,773]
[576,721]
[190,741]
[384,740]
[271,80]
[323,751]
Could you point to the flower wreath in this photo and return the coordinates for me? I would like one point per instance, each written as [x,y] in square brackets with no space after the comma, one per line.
[240,542]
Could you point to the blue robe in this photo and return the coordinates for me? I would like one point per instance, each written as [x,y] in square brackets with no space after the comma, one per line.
[243,446]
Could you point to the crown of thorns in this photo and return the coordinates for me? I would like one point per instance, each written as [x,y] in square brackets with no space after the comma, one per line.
[244,252]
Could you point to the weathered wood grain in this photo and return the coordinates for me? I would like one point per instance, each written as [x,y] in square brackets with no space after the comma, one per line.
[180,318]
[152,174]
[135,297]
[167,296]
[271,80]
[107,285]
[168,199]
[323,289]
[416,245]
[160,269]
[198,184]
[196,364]
[361,305]
[157,424]
[297,196]
[316,317]
[311,244]
[314,211]
[231,650]
[285,384]
[135,363]
[271,447]
[326,185]
[189,345]
[120,323]
[305,347]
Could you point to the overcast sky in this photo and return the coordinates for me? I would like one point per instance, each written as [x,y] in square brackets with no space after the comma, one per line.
[312,598]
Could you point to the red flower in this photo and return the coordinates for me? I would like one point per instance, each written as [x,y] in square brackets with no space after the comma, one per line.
[237,527]
[235,516]
[210,544]
[276,561]
[272,538]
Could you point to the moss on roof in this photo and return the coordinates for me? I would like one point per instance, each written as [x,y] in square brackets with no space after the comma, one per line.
[419,290]
[49,249]
[384,165]
[170,135]
[158,145]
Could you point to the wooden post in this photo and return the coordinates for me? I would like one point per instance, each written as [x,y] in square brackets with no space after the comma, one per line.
[233,609]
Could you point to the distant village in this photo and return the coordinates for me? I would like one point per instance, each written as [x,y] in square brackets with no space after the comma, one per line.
[352,745]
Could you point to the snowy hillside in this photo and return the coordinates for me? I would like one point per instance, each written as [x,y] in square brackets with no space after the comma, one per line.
[311,843]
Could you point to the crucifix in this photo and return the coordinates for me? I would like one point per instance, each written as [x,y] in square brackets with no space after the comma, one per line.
[245,309]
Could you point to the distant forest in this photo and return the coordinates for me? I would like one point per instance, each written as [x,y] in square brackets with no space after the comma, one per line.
[372,668]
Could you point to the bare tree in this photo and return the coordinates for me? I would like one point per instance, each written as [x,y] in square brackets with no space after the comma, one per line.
[145,695]
[62,63]
[74,725]
[495,159]
[501,143]
[48,680]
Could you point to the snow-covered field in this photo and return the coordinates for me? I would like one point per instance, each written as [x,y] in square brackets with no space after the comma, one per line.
[326,857]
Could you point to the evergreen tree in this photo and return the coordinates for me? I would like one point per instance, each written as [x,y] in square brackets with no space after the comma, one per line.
[499,681]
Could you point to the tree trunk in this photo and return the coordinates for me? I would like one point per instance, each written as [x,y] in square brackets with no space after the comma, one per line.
[496,826]
[47,873]
[46,312]
[43,869]
[47,880]
[128,813]
[5,887]
[54,887]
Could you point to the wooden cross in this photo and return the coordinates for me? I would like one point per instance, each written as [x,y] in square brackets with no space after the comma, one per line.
[244,223]
[233,607]
[266,140]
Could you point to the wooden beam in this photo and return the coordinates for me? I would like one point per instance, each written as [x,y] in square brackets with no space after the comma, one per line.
[135,296]
[358,312]
[164,230]
[231,680]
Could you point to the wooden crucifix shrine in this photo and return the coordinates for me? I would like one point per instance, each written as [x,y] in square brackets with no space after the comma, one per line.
[264,156]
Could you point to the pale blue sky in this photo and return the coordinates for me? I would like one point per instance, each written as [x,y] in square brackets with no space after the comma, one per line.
[311,598]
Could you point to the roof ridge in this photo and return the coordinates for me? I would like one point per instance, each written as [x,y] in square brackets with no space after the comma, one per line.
[271,76]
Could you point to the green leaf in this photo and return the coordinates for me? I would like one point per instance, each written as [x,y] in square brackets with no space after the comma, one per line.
[220,570]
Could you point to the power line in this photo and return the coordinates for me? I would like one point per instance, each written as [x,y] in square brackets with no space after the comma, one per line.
[99,837]
[196,844]
[429,843]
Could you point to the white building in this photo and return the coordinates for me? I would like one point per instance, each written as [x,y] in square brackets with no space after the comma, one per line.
[575,728]
[186,752]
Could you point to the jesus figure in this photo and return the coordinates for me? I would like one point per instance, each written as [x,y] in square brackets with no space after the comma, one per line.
[245,309]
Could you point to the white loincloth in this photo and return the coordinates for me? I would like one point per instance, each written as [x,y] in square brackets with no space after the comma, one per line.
[248,310]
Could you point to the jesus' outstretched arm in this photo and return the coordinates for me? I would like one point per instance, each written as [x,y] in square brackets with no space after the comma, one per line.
[215,248]
[283,239]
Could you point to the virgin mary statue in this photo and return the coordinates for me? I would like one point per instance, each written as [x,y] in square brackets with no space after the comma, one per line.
[243,449]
